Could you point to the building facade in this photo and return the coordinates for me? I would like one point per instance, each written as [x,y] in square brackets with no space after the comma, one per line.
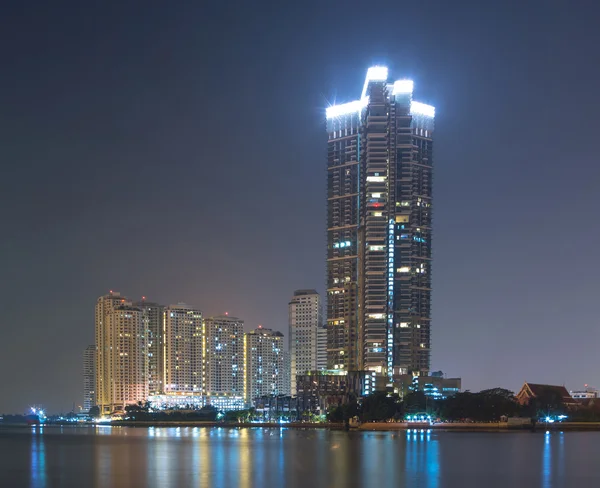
[305,321]
[152,316]
[119,368]
[264,364]
[435,386]
[127,370]
[224,352]
[379,178]
[318,391]
[182,350]
[89,378]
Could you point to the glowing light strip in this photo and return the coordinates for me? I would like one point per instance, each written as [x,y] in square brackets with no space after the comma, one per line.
[346,108]
[402,87]
[419,108]
[374,73]
[390,320]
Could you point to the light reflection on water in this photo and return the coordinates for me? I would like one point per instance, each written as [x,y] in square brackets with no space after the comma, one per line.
[230,457]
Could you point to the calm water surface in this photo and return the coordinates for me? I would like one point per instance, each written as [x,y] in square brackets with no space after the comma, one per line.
[214,457]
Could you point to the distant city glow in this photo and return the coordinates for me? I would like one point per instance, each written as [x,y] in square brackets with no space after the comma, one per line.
[402,87]
[419,108]
[374,73]
[346,108]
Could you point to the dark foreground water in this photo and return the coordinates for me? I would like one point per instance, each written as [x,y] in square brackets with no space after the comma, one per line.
[248,458]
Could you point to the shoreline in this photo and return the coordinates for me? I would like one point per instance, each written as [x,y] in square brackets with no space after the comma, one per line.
[365,427]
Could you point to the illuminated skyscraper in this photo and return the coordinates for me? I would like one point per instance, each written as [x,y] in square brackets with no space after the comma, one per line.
[121,355]
[89,378]
[182,350]
[379,165]
[305,321]
[152,316]
[264,364]
[224,353]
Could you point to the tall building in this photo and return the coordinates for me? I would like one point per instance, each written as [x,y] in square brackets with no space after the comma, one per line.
[305,319]
[379,176]
[121,361]
[89,378]
[264,364]
[182,350]
[125,373]
[224,352]
[322,348]
[152,316]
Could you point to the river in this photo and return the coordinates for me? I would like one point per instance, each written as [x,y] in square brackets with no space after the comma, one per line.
[119,457]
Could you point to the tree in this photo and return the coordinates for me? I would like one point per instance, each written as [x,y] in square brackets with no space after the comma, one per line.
[379,406]
[94,412]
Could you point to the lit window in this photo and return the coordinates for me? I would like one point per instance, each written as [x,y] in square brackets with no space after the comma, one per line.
[376,248]
[376,179]
[404,325]
[375,195]
[404,269]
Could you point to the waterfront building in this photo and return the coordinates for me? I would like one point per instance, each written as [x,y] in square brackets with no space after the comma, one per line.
[196,402]
[264,364]
[317,391]
[152,317]
[182,350]
[530,391]
[305,338]
[127,373]
[121,353]
[224,356]
[435,386]
[276,408]
[379,208]
[586,394]
[89,377]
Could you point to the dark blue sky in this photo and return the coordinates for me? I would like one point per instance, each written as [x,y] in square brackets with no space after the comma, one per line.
[178,152]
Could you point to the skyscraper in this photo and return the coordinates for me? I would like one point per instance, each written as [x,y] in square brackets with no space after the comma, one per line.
[224,352]
[182,350]
[117,354]
[264,364]
[89,377]
[152,316]
[305,319]
[121,354]
[379,165]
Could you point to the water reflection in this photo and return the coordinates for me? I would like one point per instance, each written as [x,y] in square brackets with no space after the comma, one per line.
[246,458]
[38,473]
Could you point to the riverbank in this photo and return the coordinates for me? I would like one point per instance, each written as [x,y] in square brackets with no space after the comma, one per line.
[479,427]
[368,426]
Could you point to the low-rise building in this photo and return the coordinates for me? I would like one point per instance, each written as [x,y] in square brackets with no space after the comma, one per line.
[586,394]
[318,391]
[435,386]
[530,391]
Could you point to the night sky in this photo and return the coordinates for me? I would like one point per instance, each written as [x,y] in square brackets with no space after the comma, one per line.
[178,152]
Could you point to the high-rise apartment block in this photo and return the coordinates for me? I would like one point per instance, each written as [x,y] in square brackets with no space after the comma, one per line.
[182,350]
[152,316]
[224,350]
[379,178]
[305,321]
[264,364]
[89,378]
[121,353]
